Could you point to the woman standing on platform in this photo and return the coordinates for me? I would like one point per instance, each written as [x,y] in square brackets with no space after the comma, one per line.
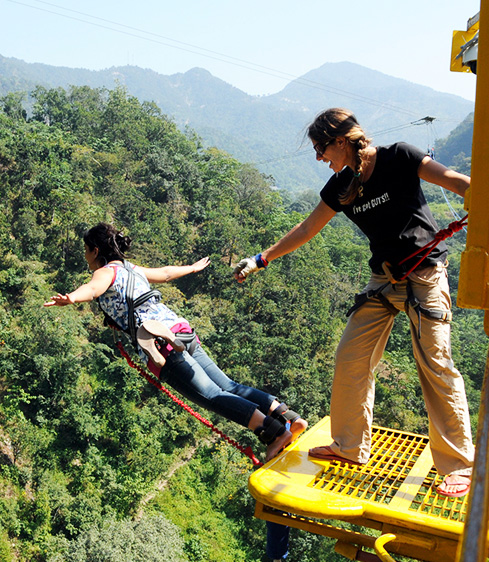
[379,189]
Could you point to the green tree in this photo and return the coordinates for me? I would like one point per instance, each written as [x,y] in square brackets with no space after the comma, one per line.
[85,439]
[12,105]
[152,539]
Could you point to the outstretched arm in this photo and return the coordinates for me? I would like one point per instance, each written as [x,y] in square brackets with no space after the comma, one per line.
[434,172]
[301,233]
[99,283]
[171,272]
[295,238]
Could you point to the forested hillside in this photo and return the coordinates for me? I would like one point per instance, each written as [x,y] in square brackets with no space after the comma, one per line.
[268,130]
[94,462]
[456,149]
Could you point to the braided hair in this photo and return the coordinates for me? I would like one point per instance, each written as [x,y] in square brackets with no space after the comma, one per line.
[111,243]
[337,122]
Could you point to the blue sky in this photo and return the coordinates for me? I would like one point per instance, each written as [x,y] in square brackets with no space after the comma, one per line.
[258,45]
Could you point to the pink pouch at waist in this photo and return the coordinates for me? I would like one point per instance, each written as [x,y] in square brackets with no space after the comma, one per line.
[182,327]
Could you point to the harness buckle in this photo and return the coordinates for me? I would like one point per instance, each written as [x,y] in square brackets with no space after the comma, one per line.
[386,268]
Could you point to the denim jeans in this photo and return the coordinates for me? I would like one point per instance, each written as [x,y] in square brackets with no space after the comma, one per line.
[201,381]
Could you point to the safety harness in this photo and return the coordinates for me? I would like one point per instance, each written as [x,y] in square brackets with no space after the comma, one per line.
[412,303]
[132,303]
[188,339]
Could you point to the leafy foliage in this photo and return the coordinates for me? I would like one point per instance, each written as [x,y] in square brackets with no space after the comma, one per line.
[83,439]
[148,540]
[266,130]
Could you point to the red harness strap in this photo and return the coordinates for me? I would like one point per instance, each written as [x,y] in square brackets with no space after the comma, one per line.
[246,451]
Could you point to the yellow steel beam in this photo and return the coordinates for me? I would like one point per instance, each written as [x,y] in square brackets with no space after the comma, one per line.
[473,291]
[415,545]
[474,539]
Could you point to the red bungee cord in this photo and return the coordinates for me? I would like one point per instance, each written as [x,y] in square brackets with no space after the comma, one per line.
[155,382]
[443,234]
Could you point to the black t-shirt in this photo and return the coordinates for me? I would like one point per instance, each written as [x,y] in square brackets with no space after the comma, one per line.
[392,210]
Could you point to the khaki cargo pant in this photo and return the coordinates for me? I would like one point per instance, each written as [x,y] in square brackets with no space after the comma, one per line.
[360,350]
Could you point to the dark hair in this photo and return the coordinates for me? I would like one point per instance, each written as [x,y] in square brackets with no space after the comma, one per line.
[111,243]
[337,122]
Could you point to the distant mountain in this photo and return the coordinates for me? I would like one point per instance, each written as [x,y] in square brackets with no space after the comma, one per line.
[269,130]
[458,144]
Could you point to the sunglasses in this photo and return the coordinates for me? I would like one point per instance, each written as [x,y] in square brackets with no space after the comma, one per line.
[320,148]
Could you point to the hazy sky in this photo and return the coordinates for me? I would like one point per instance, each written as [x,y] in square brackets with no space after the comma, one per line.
[257,45]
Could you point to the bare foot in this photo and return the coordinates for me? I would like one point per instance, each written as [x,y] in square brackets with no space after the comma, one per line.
[454,486]
[276,446]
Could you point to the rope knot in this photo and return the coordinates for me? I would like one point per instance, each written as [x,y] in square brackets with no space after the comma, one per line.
[455,226]
[451,229]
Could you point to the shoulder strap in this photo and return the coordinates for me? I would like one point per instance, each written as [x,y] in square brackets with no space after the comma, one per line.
[132,303]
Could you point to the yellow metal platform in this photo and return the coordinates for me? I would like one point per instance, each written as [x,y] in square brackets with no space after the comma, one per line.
[393,493]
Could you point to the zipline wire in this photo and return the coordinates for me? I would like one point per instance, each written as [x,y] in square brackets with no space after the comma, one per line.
[215,55]
[195,49]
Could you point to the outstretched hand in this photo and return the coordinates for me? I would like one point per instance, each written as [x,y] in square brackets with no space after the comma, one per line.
[59,300]
[201,264]
[244,268]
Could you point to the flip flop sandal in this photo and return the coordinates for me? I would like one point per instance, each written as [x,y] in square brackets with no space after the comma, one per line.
[146,334]
[157,329]
[463,492]
[331,456]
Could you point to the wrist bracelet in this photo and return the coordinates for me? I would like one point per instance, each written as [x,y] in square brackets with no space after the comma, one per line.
[261,262]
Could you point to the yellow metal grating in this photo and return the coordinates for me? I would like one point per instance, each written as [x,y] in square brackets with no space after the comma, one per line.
[395,489]
[393,456]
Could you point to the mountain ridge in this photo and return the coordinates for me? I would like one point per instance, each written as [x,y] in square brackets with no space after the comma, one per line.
[268,130]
